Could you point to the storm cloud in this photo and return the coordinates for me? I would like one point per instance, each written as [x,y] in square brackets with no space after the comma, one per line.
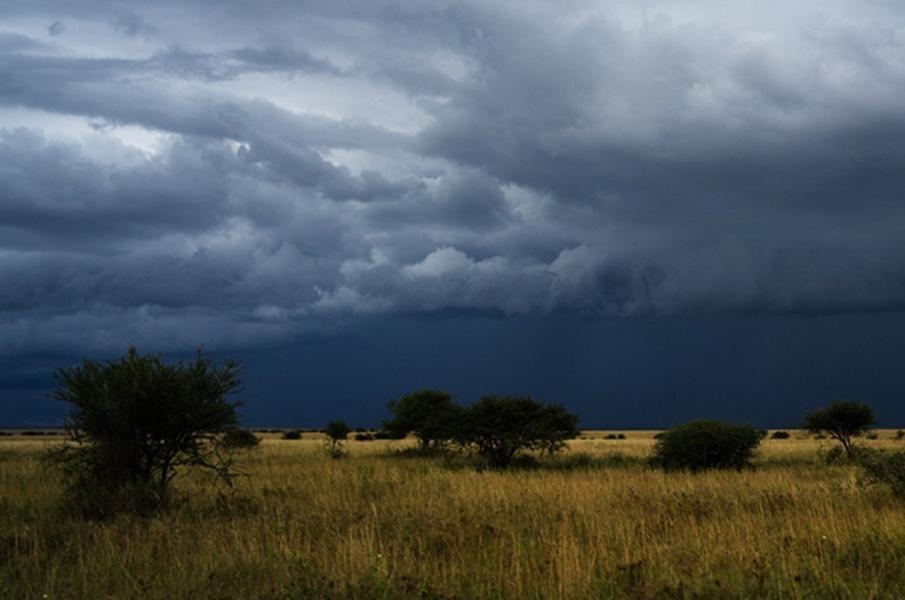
[239,174]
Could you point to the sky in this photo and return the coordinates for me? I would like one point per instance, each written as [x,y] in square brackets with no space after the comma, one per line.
[649,211]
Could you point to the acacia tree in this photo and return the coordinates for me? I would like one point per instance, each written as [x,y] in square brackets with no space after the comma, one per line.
[337,432]
[430,414]
[842,421]
[500,427]
[134,423]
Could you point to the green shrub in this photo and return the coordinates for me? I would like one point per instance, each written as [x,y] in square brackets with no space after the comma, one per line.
[430,414]
[706,445]
[886,468]
[500,428]
[240,439]
[780,435]
[136,422]
[900,434]
[293,434]
[364,437]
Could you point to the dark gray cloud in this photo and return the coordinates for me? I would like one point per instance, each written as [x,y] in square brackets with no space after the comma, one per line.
[175,174]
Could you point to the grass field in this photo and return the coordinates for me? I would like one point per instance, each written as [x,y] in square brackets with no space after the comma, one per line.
[300,525]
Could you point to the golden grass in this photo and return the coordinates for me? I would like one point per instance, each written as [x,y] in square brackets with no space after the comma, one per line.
[300,525]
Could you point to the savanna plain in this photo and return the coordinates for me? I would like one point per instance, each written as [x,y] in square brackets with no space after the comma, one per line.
[593,522]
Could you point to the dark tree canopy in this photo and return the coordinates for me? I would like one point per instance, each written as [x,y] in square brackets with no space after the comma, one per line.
[135,422]
[336,431]
[841,421]
[430,414]
[706,444]
[500,427]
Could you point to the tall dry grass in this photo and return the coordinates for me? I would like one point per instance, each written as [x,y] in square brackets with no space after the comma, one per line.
[300,525]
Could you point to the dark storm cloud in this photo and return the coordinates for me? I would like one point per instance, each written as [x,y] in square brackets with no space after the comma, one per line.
[172,174]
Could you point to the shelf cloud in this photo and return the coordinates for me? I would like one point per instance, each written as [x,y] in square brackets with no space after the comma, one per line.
[241,173]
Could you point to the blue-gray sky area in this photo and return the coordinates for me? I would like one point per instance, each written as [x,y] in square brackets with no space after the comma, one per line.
[648,211]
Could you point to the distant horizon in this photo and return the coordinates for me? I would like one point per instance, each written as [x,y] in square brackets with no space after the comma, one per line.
[616,374]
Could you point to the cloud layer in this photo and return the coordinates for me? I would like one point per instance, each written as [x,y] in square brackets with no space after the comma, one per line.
[240,174]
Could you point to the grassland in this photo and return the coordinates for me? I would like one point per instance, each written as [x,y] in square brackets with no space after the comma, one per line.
[300,525]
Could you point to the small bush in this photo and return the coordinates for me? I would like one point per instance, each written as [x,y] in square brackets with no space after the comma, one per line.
[706,445]
[872,436]
[293,434]
[137,422]
[884,468]
[659,436]
[431,415]
[364,437]
[780,435]
[240,439]
[337,431]
[900,434]
[499,428]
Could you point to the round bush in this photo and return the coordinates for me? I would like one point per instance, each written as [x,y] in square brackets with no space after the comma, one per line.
[240,438]
[706,445]
[294,434]
[884,467]
[780,435]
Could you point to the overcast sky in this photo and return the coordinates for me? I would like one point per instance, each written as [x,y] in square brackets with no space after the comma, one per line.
[257,175]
